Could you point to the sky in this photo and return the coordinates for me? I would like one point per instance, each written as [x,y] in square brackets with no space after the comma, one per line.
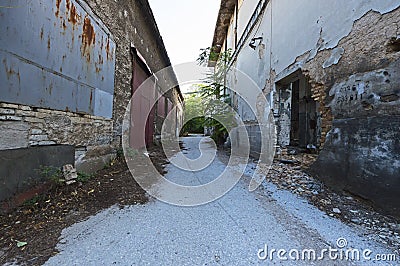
[186,26]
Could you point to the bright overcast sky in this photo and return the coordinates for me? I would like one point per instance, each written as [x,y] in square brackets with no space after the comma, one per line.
[186,26]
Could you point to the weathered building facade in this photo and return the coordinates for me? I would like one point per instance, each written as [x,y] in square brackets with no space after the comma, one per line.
[330,71]
[66,78]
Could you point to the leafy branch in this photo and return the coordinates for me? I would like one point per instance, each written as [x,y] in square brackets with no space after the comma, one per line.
[214,91]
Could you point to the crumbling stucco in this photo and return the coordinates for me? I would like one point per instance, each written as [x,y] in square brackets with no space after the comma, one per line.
[350,58]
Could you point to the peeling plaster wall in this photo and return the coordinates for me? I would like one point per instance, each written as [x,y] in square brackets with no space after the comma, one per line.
[324,23]
[284,122]
[349,51]
[286,40]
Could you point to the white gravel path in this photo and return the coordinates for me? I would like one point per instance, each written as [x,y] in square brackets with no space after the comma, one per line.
[229,231]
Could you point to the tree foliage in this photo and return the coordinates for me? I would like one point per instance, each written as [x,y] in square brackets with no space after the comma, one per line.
[214,92]
[193,108]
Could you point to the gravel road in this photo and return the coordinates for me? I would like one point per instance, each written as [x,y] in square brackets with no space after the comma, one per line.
[233,230]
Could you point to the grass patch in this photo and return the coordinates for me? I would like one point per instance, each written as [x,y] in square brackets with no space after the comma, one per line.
[84,177]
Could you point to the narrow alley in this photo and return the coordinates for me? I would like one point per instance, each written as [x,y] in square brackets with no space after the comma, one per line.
[212,132]
[228,231]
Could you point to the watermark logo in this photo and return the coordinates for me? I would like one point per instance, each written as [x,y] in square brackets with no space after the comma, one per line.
[258,111]
[341,243]
[339,253]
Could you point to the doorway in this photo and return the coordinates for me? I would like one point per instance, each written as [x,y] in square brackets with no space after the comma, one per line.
[298,115]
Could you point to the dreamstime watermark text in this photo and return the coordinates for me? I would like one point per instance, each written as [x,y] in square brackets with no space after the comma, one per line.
[339,253]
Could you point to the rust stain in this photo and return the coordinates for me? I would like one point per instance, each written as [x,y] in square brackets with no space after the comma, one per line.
[108,49]
[68,4]
[98,64]
[58,2]
[48,43]
[91,98]
[9,71]
[73,16]
[64,25]
[51,88]
[88,38]
[41,34]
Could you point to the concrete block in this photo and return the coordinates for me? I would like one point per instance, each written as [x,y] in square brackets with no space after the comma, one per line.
[345,161]
[20,168]
[14,135]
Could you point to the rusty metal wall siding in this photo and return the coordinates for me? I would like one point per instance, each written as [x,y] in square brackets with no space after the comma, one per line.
[56,54]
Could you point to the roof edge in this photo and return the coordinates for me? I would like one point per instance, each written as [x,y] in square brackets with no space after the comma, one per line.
[226,11]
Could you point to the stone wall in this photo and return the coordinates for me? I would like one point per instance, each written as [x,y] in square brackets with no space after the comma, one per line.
[24,127]
[130,24]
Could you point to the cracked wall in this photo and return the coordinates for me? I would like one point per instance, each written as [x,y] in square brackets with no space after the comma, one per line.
[349,52]
[361,93]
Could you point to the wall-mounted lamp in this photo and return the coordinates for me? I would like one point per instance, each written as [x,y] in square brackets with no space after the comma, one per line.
[253,42]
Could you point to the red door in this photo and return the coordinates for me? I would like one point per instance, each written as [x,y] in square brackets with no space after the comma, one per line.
[142,115]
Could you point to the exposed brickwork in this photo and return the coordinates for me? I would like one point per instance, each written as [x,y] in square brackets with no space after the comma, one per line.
[366,48]
[359,103]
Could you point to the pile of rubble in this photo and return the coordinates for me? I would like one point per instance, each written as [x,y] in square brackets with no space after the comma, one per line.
[288,173]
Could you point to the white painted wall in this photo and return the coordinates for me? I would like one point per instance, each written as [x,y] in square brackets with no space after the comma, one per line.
[231,33]
[246,9]
[297,26]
